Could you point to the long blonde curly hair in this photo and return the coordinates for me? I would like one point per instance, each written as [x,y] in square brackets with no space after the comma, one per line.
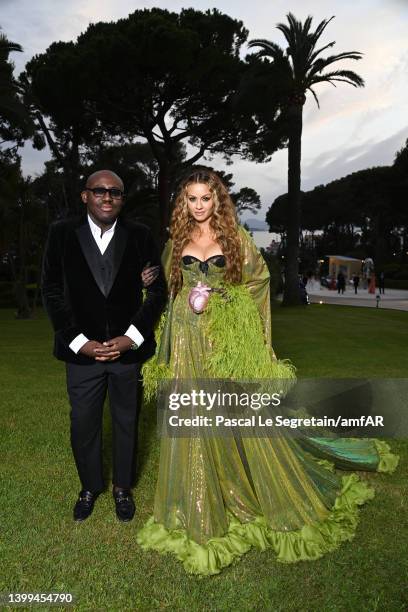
[223,224]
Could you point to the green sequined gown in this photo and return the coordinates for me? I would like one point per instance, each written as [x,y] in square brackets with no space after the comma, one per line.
[216,497]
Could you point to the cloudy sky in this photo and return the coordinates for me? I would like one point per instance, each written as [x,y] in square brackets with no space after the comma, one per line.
[354,128]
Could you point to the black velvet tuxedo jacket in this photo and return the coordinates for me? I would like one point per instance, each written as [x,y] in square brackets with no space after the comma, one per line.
[76,299]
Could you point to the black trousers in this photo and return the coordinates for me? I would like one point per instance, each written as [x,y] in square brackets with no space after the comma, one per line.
[87,387]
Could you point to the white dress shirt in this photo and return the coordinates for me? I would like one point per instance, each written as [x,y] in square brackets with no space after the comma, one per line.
[103,239]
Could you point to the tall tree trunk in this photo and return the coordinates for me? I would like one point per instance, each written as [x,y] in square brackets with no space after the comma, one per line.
[404,245]
[57,155]
[23,305]
[37,290]
[72,171]
[291,294]
[70,165]
[379,243]
[20,290]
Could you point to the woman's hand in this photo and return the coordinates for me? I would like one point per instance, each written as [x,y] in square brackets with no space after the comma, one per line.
[149,274]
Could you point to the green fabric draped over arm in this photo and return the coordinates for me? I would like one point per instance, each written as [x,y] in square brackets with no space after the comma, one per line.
[163,337]
[255,276]
[157,367]
[166,259]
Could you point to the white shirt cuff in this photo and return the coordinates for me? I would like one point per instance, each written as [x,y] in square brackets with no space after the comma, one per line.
[134,334]
[78,343]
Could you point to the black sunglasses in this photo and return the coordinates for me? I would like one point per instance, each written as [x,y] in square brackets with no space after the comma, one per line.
[99,192]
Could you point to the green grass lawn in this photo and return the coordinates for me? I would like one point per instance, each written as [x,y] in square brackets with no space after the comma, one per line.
[43,550]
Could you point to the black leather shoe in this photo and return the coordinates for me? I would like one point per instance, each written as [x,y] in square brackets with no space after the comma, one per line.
[84,506]
[125,506]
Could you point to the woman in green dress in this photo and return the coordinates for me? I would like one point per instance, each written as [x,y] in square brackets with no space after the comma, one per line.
[217,496]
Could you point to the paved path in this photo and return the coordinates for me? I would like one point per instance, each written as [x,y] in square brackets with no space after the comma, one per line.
[396,299]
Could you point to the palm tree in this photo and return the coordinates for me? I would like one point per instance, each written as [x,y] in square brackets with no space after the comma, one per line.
[304,68]
[7,87]
[6,47]
[14,121]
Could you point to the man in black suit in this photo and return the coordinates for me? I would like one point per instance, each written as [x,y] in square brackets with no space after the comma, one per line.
[92,291]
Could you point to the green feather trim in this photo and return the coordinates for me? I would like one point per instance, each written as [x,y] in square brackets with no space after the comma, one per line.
[235,330]
[154,371]
[239,352]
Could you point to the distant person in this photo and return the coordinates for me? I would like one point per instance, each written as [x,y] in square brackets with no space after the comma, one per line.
[341,283]
[312,284]
[356,282]
[303,292]
[381,282]
[372,284]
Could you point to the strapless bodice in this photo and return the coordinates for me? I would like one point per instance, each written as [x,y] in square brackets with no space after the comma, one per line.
[211,270]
